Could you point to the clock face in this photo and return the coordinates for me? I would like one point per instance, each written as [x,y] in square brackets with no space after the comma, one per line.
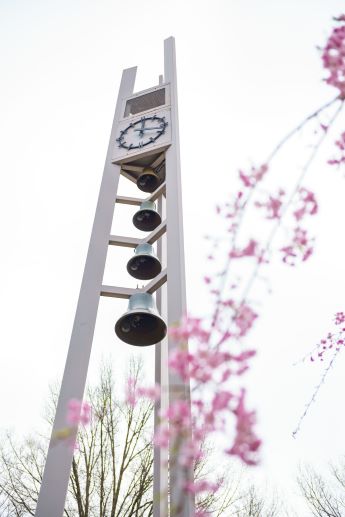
[142,132]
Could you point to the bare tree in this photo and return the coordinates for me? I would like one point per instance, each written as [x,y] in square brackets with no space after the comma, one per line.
[112,469]
[230,485]
[254,504]
[325,494]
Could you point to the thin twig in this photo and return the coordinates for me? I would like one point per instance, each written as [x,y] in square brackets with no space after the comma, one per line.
[316,391]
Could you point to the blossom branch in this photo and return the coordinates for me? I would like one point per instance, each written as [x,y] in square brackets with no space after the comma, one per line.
[288,203]
[252,185]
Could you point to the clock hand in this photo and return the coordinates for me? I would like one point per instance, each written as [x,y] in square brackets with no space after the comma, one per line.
[142,129]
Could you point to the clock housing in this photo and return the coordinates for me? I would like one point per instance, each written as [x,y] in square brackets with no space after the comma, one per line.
[146,124]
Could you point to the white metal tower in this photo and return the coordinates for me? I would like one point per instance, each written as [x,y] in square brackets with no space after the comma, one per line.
[144,135]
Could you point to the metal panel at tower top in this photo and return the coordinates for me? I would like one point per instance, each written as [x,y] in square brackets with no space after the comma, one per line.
[144,134]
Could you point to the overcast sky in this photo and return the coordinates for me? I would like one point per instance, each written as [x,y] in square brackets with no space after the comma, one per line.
[248,71]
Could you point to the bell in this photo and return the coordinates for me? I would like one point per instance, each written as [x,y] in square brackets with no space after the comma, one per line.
[148,180]
[147,218]
[141,325]
[144,265]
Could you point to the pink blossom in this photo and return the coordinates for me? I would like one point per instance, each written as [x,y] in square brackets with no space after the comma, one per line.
[339,318]
[221,400]
[133,392]
[272,205]
[131,395]
[187,328]
[190,453]
[178,413]
[334,340]
[162,436]
[195,487]
[243,356]
[244,318]
[300,247]
[246,443]
[227,334]
[201,513]
[333,58]
[78,412]
[179,360]
[255,175]
[226,374]
[307,204]
[153,393]
[242,369]
[249,251]
[246,179]
[340,143]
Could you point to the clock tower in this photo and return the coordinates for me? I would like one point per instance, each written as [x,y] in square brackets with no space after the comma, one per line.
[144,148]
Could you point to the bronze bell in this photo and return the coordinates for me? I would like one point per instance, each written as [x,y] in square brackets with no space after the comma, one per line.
[148,180]
[147,218]
[141,325]
[144,265]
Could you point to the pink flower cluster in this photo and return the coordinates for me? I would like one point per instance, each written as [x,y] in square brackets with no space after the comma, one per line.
[78,412]
[307,204]
[333,341]
[251,178]
[209,368]
[233,210]
[301,245]
[333,58]
[300,248]
[272,205]
[339,318]
[251,250]
[244,318]
[133,392]
[189,328]
[341,146]
[208,362]
[246,444]
[201,486]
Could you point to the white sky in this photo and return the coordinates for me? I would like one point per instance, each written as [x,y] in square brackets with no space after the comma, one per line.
[248,71]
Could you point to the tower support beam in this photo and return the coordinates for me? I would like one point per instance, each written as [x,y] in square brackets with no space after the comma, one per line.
[181,502]
[51,499]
